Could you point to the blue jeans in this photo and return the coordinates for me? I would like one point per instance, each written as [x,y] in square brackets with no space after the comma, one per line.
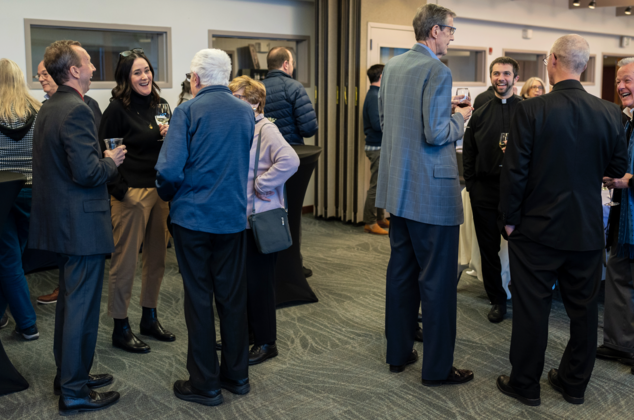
[14,290]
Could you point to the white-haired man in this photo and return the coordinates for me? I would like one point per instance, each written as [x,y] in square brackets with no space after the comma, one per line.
[202,169]
[560,147]
[618,319]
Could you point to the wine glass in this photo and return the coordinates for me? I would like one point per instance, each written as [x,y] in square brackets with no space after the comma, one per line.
[504,138]
[462,94]
[163,115]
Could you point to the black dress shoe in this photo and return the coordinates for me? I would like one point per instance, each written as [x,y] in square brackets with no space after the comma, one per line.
[94,402]
[506,389]
[307,272]
[151,326]
[456,377]
[418,336]
[94,382]
[258,354]
[553,380]
[413,357]
[604,352]
[496,314]
[124,338]
[186,392]
[240,387]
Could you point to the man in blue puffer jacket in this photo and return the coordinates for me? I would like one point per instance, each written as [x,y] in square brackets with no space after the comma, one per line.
[286,99]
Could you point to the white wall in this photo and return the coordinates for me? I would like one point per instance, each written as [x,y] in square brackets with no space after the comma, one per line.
[190,21]
[478,26]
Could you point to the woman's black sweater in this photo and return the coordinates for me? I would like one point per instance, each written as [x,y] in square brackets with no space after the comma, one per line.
[141,136]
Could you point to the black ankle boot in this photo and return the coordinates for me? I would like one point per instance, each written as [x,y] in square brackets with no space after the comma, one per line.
[124,338]
[150,325]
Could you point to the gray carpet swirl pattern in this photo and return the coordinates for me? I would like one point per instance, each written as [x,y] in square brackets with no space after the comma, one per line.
[332,354]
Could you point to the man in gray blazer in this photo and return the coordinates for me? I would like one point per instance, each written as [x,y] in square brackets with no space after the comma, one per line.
[418,185]
[70,216]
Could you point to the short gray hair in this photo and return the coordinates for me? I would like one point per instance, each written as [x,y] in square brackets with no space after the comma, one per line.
[212,66]
[573,51]
[427,17]
[626,61]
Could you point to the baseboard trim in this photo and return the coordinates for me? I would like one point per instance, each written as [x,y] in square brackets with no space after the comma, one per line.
[308,209]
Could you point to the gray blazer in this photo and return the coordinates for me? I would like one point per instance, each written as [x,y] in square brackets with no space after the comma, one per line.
[418,174]
[70,212]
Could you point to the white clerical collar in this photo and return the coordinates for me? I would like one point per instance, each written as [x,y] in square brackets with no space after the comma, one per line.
[627,111]
[46,97]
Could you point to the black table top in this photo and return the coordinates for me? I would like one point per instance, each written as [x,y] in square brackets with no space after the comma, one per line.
[6,176]
[304,151]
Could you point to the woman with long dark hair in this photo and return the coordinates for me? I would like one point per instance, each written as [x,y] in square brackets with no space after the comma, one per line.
[138,214]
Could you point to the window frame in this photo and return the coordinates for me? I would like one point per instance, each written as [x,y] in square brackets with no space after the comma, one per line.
[542,74]
[592,71]
[483,66]
[301,39]
[28,23]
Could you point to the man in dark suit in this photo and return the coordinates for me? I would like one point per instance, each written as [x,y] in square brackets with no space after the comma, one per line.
[70,198]
[560,147]
[418,184]
[50,87]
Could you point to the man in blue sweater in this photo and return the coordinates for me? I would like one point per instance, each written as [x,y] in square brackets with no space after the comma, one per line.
[374,217]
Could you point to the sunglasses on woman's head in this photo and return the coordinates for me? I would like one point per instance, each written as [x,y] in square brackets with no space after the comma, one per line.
[133,50]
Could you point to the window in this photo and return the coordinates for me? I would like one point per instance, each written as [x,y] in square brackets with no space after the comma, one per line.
[588,76]
[388,53]
[467,65]
[104,43]
[531,63]
[248,52]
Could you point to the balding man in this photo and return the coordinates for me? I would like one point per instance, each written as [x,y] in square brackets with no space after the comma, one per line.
[560,147]
[618,318]
[286,99]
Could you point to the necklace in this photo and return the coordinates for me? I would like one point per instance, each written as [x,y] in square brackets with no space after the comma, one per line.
[151,128]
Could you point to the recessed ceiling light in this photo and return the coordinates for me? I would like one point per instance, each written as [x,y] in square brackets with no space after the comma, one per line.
[628,11]
[576,3]
[592,4]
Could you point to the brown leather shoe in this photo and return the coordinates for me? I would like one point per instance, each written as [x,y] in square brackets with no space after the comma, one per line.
[375,229]
[48,299]
[383,223]
[456,377]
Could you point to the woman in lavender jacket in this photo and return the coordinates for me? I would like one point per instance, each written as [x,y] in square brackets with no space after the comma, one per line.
[278,162]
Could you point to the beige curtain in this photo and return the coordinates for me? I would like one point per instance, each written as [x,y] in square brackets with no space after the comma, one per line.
[339,185]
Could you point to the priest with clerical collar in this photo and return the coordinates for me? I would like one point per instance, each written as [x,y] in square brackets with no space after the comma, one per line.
[482,160]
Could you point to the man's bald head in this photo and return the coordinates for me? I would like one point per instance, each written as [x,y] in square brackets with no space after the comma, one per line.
[573,52]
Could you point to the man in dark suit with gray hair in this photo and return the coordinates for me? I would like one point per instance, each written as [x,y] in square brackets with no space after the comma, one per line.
[418,184]
[560,147]
[70,216]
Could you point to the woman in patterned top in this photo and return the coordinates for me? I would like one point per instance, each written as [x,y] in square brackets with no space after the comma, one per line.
[18,111]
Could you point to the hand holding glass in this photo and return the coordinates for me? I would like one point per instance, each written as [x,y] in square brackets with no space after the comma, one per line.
[163,115]
[504,138]
[113,143]
[464,96]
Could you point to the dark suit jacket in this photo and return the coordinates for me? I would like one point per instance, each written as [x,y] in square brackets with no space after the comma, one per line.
[70,211]
[560,146]
[94,106]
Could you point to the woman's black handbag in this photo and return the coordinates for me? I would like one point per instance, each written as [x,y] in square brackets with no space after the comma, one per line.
[270,228]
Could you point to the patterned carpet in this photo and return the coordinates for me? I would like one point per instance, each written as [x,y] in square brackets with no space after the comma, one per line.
[332,354]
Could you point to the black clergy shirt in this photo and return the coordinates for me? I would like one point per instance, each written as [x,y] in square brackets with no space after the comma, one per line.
[482,155]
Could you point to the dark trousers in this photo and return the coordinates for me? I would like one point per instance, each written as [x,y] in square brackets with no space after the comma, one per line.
[77,320]
[534,269]
[14,290]
[260,270]
[422,269]
[618,317]
[488,234]
[371,213]
[212,266]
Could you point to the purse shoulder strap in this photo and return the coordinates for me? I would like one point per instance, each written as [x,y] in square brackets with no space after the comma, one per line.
[255,169]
